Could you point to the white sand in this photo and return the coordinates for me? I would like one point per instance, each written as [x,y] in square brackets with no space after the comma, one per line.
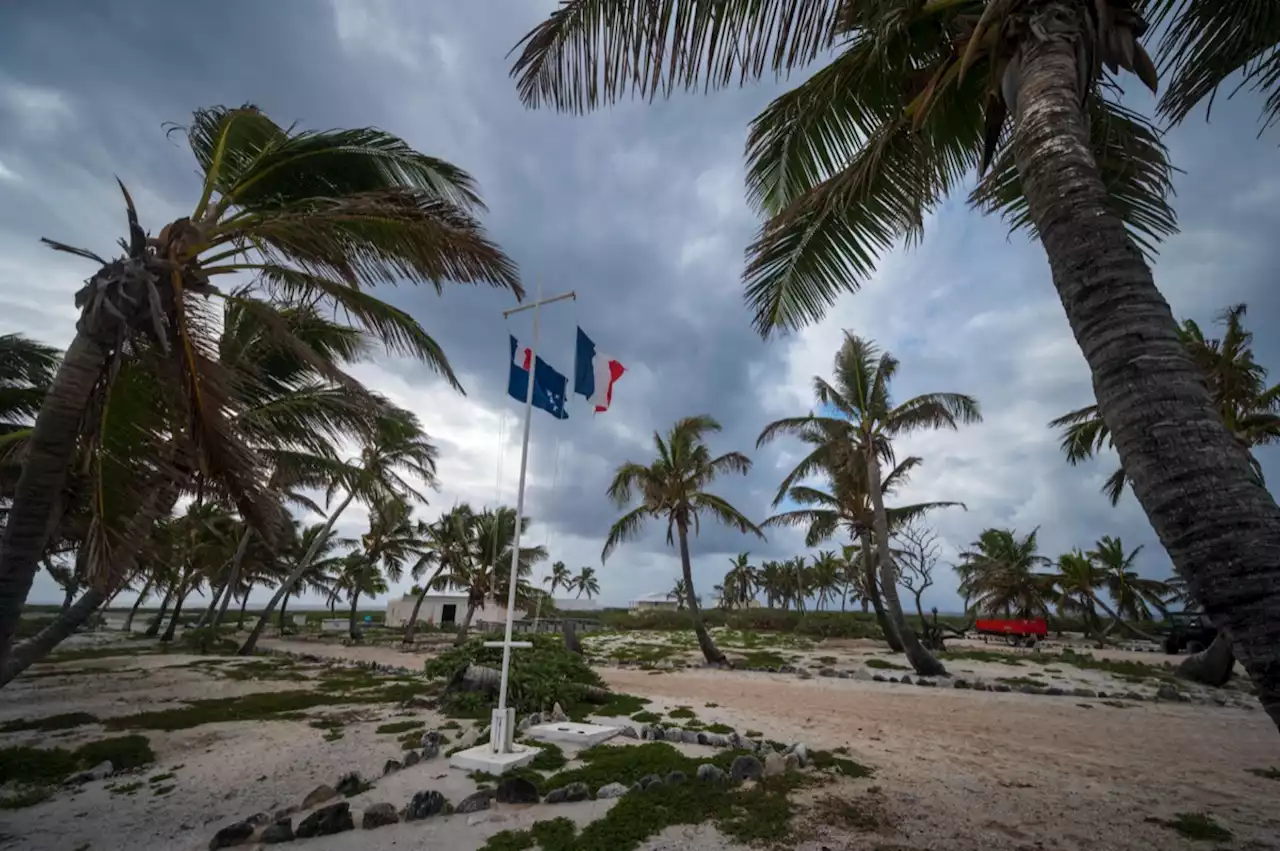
[954,769]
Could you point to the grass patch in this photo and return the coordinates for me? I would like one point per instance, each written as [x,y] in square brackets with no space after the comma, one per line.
[128,788]
[66,721]
[1018,682]
[44,766]
[410,740]
[754,734]
[646,717]
[758,815]
[827,660]
[261,706]
[847,767]
[760,659]
[27,797]
[451,725]
[711,705]
[333,735]
[550,757]
[59,657]
[161,791]
[620,705]
[1199,827]
[160,778]
[258,669]
[682,712]
[1268,773]
[626,764]
[885,665]
[722,729]
[400,726]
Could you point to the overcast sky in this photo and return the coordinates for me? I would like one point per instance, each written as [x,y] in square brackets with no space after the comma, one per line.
[640,209]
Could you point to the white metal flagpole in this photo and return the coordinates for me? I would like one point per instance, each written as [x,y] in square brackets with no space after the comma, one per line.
[501,732]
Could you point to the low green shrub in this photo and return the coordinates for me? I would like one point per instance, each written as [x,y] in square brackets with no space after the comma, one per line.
[544,675]
[27,766]
[66,721]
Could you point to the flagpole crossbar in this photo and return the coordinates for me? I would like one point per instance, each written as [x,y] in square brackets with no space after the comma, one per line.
[540,303]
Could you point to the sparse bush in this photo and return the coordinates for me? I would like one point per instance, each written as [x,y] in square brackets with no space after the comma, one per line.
[542,676]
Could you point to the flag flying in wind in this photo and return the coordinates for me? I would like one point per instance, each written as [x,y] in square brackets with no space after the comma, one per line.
[594,373]
[550,388]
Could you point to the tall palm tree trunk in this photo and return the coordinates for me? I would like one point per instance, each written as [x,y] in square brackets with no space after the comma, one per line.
[465,625]
[244,604]
[142,596]
[31,651]
[233,578]
[48,458]
[709,649]
[284,604]
[921,659]
[251,642]
[351,616]
[153,628]
[1212,666]
[1195,482]
[183,591]
[873,593]
[412,628]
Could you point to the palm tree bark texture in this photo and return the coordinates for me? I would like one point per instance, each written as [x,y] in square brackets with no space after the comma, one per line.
[1195,482]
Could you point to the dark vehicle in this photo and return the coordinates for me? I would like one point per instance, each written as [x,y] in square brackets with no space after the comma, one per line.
[1190,631]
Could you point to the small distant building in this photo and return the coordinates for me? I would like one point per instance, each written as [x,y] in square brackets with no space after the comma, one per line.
[578,605]
[654,602]
[444,610]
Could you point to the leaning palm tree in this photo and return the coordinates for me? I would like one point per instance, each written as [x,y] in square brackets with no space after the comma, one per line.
[1135,596]
[742,579]
[586,583]
[1074,589]
[673,488]
[446,542]
[1001,575]
[317,215]
[828,578]
[393,541]
[914,97]
[323,569]
[397,448]
[857,438]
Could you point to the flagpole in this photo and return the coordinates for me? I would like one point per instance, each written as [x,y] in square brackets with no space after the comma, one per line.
[501,731]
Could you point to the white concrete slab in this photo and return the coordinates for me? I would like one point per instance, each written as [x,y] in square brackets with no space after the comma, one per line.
[573,733]
[481,758]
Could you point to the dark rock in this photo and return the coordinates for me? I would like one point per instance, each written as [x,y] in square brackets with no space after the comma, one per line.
[259,819]
[827,672]
[1001,687]
[1085,705]
[716,740]
[629,733]
[556,796]
[577,792]
[318,795]
[1083,692]
[804,675]
[711,773]
[325,821]
[1102,694]
[379,815]
[926,683]
[1030,689]
[906,680]
[675,778]
[702,739]
[516,790]
[351,784]
[281,831]
[391,766]
[690,737]
[411,758]
[425,805]
[961,684]
[745,768]
[1167,692]
[611,790]
[650,780]
[284,813]
[235,834]
[878,678]
[474,802]
[1054,691]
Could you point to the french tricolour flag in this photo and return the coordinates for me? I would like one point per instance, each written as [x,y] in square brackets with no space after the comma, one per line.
[595,373]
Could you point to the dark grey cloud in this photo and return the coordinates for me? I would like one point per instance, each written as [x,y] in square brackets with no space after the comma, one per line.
[639,208]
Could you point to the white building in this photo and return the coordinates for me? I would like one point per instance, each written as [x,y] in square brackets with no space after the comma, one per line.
[656,600]
[444,610]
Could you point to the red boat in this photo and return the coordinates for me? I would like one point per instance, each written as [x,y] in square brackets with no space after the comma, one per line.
[1015,631]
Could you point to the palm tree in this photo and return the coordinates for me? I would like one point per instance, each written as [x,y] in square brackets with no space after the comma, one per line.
[915,96]
[771,582]
[680,593]
[486,571]
[204,541]
[1074,590]
[827,577]
[321,574]
[26,371]
[673,488]
[394,540]
[855,577]
[316,215]
[1134,595]
[397,447]
[446,542]
[998,575]
[559,578]
[586,583]
[1237,383]
[741,580]
[854,441]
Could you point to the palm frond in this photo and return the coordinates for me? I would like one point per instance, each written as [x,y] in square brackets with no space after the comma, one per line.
[591,52]
[724,512]
[626,528]
[933,411]
[1085,433]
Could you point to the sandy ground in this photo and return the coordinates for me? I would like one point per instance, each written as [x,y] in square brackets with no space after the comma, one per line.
[954,769]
